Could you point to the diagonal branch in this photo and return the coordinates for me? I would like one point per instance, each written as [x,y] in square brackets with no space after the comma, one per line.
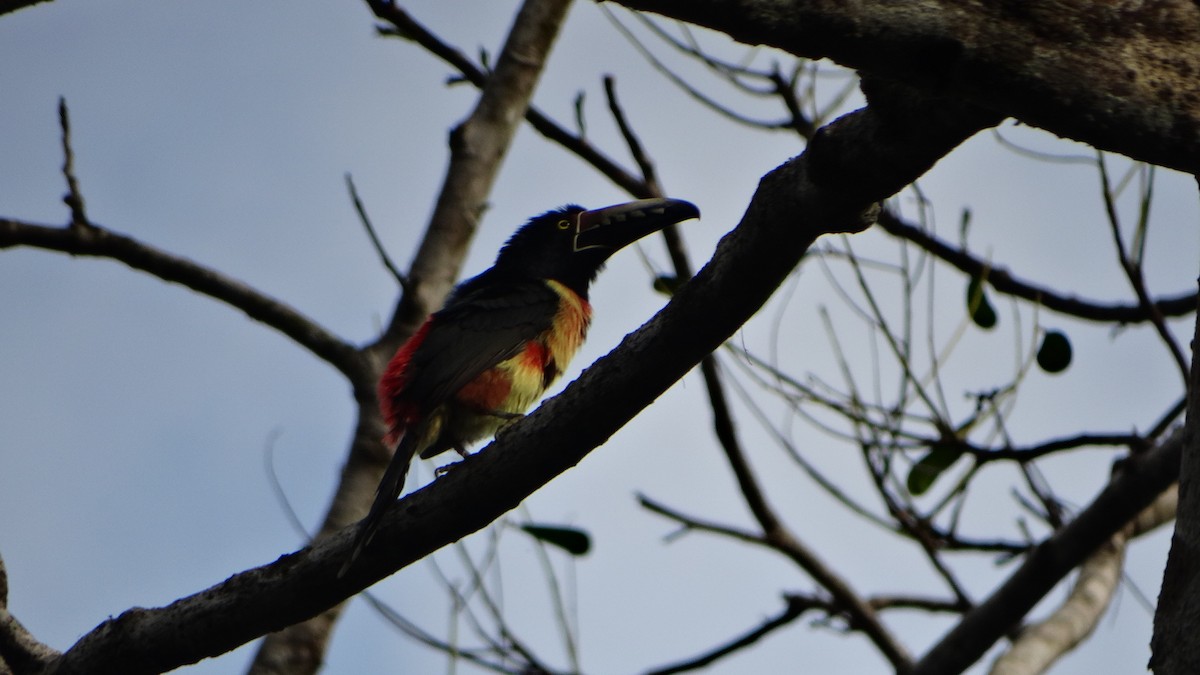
[796,607]
[1040,645]
[1015,63]
[99,242]
[1140,480]
[775,533]
[7,6]
[408,27]
[1004,282]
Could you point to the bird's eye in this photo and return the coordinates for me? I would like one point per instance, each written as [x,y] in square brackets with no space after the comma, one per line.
[562,224]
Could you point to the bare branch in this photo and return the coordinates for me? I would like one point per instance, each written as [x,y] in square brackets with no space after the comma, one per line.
[1004,282]
[775,534]
[1133,272]
[645,164]
[1040,645]
[1140,480]
[697,95]
[74,198]
[577,144]
[1024,454]
[100,242]
[796,607]
[1013,63]
[1173,649]
[366,223]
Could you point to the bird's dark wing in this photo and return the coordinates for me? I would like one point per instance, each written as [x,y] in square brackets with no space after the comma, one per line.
[482,325]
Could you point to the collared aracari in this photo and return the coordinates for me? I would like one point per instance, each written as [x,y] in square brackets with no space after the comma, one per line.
[502,337]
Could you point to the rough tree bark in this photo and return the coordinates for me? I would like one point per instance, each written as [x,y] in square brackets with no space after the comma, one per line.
[1175,650]
[1120,76]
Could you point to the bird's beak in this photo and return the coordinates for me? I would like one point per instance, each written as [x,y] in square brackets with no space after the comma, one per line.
[614,227]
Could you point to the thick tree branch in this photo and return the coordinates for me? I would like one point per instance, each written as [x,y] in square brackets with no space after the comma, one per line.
[1174,649]
[850,165]
[1118,76]
[99,242]
[1040,645]
[1139,481]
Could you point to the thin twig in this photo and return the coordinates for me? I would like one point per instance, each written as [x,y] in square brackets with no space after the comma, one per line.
[858,613]
[685,86]
[366,223]
[796,607]
[645,164]
[407,27]
[1137,485]
[1133,272]
[74,198]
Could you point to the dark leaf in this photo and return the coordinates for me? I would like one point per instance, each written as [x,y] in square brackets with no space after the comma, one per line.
[570,539]
[666,284]
[939,458]
[978,306]
[1055,353]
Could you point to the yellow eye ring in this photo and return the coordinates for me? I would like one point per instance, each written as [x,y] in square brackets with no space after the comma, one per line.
[562,224]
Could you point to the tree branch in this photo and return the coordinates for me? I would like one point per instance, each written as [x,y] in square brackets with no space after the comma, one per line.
[1139,481]
[1174,649]
[796,607]
[850,165]
[1049,65]
[1004,282]
[775,534]
[1041,644]
[99,242]
[407,27]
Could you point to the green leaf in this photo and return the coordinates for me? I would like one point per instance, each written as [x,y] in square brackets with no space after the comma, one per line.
[964,225]
[941,456]
[978,306]
[570,539]
[1055,353]
[666,284]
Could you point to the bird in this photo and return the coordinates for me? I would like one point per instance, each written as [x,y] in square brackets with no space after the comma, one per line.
[501,338]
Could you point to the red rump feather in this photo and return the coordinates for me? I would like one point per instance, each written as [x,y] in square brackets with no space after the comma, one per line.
[399,414]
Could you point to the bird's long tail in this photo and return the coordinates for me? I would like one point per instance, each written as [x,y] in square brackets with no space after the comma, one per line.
[389,489]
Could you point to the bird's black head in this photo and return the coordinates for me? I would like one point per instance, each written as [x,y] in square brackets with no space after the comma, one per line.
[570,245]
